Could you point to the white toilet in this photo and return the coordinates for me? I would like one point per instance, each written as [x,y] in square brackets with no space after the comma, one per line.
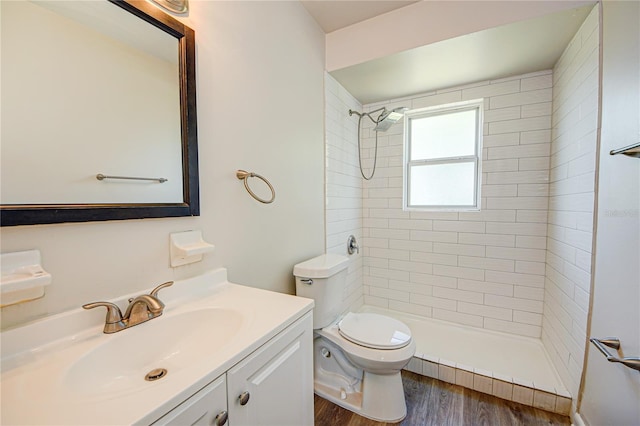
[358,356]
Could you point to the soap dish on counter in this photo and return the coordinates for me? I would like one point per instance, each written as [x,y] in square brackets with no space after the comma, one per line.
[23,278]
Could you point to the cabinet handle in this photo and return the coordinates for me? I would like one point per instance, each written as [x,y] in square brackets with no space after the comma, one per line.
[221,419]
[244,398]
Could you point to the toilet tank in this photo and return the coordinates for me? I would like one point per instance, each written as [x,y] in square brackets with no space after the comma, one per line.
[323,279]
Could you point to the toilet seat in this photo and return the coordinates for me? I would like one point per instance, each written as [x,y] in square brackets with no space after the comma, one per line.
[374,331]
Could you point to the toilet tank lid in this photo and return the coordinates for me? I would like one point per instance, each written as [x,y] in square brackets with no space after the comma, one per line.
[322,266]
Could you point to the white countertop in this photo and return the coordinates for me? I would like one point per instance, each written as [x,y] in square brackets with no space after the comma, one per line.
[37,358]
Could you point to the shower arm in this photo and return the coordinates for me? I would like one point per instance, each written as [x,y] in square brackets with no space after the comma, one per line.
[368,114]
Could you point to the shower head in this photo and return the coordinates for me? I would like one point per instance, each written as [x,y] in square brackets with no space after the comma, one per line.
[387,118]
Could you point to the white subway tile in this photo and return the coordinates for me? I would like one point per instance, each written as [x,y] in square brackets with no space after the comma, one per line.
[489,215]
[485,311]
[457,317]
[464,377]
[434,236]
[489,90]
[446,373]
[526,292]
[482,381]
[501,114]
[535,137]
[520,151]
[520,125]
[434,100]
[535,268]
[495,191]
[544,400]
[532,216]
[458,272]
[520,202]
[534,229]
[489,239]
[415,365]
[535,163]
[503,139]
[409,287]
[526,305]
[458,226]
[527,318]
[460,295]
[376,301]
[529,176]
[522,98]
[531,242]
[424,311]
[502,389]
[413,224]
[407,266]
[433,302]
[536,110]
[506,164]
[532,255]
[515,278]
[433,280]
[500,289]
[430,369]
[435,258]
[463,249]
[533,190]
[523,395]
[387,293]
[507,265]
[425,246]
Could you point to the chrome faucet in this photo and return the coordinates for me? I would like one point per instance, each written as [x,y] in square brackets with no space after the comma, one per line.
[141,308]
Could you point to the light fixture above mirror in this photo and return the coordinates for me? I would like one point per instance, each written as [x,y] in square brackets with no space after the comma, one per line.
[175,6]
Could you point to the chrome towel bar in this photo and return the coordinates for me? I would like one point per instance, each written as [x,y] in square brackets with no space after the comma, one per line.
[100,176]
[614,343]
[244,175]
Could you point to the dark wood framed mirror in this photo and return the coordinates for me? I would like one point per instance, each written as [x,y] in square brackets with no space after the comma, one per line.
[186,203]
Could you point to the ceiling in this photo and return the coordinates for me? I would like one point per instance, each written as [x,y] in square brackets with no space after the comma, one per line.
[332,15]
[512,49]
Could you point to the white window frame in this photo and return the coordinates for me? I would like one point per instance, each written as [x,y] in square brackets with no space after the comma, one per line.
[476,158]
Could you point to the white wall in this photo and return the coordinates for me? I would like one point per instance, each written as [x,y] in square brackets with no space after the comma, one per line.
[485,269]
[611,392]
[571,202]
[426,22]
[343,184]
[260,107]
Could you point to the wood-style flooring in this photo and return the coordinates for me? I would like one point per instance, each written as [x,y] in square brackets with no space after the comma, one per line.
[431,402]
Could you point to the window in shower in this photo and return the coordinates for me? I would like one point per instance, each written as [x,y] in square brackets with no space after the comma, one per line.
[442,166]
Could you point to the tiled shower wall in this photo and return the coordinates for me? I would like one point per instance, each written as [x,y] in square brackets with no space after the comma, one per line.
[481,268]
[343,185]
[571,203]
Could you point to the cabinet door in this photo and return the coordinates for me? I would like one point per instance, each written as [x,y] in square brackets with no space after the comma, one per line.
[207,407]
[274,385]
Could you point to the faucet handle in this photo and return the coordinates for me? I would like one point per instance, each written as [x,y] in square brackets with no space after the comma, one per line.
[154,292]
[114,315]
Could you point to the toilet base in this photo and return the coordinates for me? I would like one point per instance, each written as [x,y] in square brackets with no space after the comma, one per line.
[381,397]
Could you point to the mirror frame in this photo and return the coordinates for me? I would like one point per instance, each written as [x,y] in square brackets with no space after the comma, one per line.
[33,214]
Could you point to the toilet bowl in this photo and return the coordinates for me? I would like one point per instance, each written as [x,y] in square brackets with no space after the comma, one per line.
[357,356]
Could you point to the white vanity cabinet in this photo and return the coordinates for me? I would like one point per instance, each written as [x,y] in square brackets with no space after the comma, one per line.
[206,408]
[273,386]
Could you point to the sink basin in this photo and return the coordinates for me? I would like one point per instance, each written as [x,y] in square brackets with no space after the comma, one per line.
[171,342]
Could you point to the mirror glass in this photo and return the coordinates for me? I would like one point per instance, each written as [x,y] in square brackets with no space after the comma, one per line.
[95,88]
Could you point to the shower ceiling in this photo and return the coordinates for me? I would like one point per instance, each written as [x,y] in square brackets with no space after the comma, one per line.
[512,49]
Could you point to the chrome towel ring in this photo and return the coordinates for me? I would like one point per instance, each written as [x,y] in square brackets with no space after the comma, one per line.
[244,175]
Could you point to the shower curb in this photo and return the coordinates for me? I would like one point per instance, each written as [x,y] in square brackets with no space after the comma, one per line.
[508,388]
